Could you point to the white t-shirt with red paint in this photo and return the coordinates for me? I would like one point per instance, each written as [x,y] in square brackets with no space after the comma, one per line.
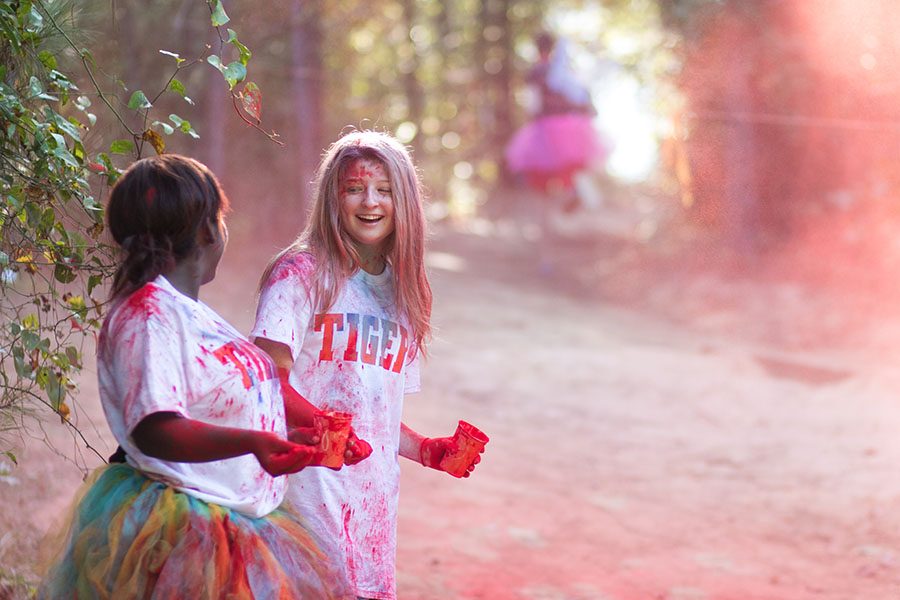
[355,357]
[161,351]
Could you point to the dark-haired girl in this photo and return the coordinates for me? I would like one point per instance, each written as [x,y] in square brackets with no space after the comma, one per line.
[198,410]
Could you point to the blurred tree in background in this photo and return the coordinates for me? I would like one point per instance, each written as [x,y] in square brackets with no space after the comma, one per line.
[769,117]
[791,121]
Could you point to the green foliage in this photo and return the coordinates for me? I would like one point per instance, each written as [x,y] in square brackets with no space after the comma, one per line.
[53,257]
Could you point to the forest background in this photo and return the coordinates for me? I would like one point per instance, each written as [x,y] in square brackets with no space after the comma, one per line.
[756,138]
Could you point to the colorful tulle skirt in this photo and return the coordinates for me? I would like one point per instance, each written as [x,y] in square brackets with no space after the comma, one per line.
[555,147]
[135,538]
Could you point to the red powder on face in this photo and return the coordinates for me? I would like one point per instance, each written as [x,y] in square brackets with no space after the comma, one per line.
[360,171]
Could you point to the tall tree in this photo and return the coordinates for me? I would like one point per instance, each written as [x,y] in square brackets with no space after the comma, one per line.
[307,83]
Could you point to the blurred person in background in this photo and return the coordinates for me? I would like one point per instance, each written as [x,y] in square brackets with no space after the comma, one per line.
[345,312]
[554,151]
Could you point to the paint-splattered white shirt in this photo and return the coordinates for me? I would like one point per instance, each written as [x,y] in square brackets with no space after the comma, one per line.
[356,357]
[161,351]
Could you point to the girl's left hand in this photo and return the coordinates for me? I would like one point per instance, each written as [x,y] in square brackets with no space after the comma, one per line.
[357,449]
[433,450]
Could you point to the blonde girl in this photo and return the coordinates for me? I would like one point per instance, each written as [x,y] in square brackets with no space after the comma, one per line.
[345,313]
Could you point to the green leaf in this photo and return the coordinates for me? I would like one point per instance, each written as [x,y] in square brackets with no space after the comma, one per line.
[35,88]
[177,87]
[23,369]
[83,102]
[8,454]
[243,51]
[215,61]
[56,390]
[30,340]
[48,220]
[166,128]
[92,282]
[234,73]
[138,101]
[183,125]
[218,14]
[67,127]
[63,273]
[74,356]
[64,155]
[29,18]
[47,59]
[121,147]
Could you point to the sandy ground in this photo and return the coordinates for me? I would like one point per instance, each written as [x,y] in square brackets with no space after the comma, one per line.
[665,437]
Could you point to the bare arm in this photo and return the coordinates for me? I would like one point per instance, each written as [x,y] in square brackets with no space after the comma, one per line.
[411,443]
[298,410]
[169,436]
[428,451]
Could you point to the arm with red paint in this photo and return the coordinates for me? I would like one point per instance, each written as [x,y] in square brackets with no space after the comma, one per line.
[428,451]
[169,436]
[298,410]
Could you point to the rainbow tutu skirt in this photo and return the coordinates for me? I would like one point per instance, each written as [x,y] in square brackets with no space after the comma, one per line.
[135,538]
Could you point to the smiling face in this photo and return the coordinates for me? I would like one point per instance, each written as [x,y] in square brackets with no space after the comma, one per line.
[367,209]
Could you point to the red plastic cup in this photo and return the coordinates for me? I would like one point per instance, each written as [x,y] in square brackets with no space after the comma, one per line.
[333,428]
[470,442]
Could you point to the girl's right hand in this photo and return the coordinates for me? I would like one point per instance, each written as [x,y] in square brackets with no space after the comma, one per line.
[282,457]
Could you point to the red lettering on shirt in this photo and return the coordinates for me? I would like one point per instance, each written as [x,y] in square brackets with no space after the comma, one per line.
[328,321]
[389,329]
[370,341]
[352,354]
[401,353]
[246,360]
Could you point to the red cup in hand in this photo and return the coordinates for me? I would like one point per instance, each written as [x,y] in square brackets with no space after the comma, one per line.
[470,442]
[333,428]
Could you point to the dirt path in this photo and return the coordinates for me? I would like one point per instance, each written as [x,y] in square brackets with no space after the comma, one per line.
[636,459]
[632,456]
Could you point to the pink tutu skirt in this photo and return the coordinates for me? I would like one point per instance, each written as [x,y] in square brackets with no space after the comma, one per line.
[554,146]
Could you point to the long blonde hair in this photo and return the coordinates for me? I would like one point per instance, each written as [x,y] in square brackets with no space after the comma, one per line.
[336,258]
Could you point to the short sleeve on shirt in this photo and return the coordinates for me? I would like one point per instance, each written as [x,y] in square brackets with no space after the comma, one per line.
[148,369]
[283,313]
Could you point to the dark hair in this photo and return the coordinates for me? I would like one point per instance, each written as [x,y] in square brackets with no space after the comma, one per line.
[545,42]
[155,212]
